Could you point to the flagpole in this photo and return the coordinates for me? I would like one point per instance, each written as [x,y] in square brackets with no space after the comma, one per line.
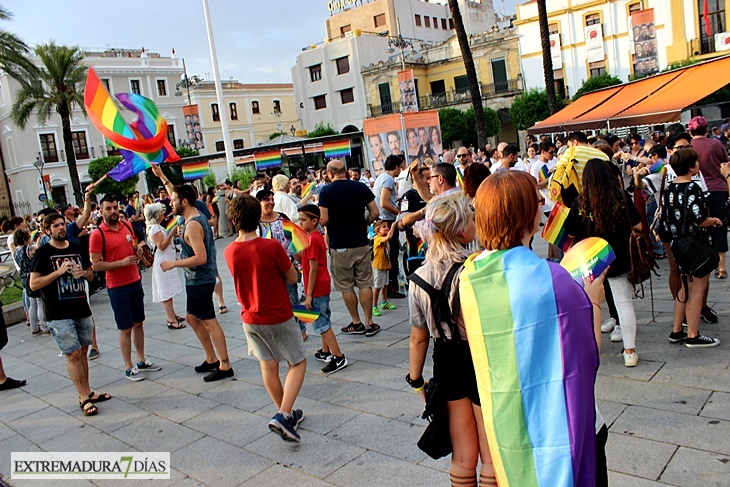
[222,109]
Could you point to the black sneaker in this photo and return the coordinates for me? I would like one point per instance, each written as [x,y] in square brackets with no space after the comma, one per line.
[701,341]
[298,416]
[396,295]
[708,315]
[353,329]
[207,367]
[322,356]
[371,330]
[335,364]
[218,375]
[677,336]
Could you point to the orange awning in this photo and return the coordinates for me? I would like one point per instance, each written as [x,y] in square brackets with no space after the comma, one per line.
[585,103]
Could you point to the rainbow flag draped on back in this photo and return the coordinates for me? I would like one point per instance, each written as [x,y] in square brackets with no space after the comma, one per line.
[530,330]
[195,170]
[336,149]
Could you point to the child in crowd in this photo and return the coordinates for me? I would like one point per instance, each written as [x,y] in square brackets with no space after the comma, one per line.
[381,264]
[261,270]
[317,289]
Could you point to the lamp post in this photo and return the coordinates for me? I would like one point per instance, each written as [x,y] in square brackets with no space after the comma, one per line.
[39,163]
[400,43]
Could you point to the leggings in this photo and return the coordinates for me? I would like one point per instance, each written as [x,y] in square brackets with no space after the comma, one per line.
[35,315]
[622,293]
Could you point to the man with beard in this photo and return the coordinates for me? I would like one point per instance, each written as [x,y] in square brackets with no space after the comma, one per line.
[200,267]
[113,250]
[394,142]
[58,271]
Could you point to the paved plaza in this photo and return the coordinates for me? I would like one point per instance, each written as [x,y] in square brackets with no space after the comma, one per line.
[669,417]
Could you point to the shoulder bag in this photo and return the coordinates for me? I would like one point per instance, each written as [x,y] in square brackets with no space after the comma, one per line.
[694,256]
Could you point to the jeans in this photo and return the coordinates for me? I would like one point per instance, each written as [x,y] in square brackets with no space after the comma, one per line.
[622,292]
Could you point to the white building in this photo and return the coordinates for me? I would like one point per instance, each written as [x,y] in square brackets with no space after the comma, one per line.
[122,71]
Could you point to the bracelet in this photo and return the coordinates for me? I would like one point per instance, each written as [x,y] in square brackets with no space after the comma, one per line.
[416,384]
[419,389]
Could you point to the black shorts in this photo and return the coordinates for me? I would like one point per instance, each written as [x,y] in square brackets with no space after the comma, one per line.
[128,304]
[200,301]
[716,202]
[452,367]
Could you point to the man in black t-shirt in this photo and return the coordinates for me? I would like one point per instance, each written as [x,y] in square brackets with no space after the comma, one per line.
[58,271]
[343,204]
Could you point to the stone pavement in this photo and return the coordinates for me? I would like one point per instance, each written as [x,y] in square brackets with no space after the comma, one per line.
[669,417]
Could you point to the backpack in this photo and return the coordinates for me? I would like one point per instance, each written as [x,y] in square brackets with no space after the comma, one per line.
[641,255]
[565,182]
[440,307]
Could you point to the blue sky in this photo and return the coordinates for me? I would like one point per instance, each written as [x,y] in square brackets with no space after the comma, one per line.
[257,40]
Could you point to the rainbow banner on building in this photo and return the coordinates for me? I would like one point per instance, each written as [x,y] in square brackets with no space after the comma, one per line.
[554,230]
[336,149]
[195,170]
[267,159]
[535,358]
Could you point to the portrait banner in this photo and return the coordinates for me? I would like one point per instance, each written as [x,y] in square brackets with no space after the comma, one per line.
[192,128]
[644,42]
[722,41]
[384,136]
[408,96]
[423,136]
[594,43]
[555,51]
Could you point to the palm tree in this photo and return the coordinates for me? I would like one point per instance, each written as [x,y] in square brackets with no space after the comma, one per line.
[13,52]
[58,86]
[471,73]
[547,61]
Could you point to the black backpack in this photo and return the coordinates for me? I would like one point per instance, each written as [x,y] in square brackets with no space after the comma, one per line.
[440,307]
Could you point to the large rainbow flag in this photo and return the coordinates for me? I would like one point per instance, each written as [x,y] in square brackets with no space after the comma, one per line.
[336,149]
[195,170]
[535,358]
[267,159]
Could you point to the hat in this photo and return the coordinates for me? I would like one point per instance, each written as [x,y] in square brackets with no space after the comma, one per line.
[697,123]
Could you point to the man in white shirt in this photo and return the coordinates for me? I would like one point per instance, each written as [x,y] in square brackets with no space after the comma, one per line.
[542,176]
[282,202]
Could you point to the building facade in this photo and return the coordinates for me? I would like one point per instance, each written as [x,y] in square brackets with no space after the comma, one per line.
[121,71]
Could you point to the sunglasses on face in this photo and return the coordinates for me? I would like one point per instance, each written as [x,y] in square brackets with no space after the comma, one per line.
[462,155]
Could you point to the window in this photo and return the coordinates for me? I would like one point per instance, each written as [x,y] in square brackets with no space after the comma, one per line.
[320,102]
[277,106]
[461,84]
[315,72]
[134,86]
[427,21]
[345,29]
[418,20]
[716,19]
[220,146]
[161,87]
[435,23]
[593,19]
[451,24]
[107,84]
[81,148]
[559,84]
[255,107]
[234,111]
[597,68]
[347,96]
[634,7]
[214,111]
[343,65]
[443,24]
[48,147]
[171,135]
[379,20]
[237,144]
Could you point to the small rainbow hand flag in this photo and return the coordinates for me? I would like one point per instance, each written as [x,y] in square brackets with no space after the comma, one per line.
[148,200]
[297,235]
[305,315]
[174,222]
[657,167]
[460,175]
[554,231]
[135,204]
[215,199]
[308,189]
[588,259]
[544,173]
[195,170]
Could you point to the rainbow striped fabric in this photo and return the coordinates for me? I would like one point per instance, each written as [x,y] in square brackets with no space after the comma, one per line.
[295,235]
[173,223]
[588,259]
[305,315]
[460,175]
[554,231]
[336,149]
[657,167]
[308,189]
[267,159]
[530,331]
[543,173]
[195,170]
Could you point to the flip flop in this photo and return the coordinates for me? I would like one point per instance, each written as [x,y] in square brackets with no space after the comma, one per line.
[100,397]
[175,325]
[223,309]
[721,274]
[91,410]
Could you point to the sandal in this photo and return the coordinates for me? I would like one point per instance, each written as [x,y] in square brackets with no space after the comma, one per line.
[721,274]
[100,397]
[88,411]
[179,319]
[175,325]
[223,309]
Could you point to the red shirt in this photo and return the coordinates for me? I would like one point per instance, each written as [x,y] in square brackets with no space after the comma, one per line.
[119,245]
[258,267]
[316,250]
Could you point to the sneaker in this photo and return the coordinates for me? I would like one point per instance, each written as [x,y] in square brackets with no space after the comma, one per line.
[372,330]
[708,315]
[134,375]
[376,311]
[335,364]
[94,354]
[677,336]
[631,359]
[616,335]
[207,367]
[218,374]
[396,295]
[322,356]
[285,427]
[608,325]
[148,366]
[298,415]
[701,341]
[37,333]
[353,329]
[387,305]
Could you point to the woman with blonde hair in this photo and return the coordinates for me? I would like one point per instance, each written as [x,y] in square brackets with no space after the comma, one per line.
[165,284]
[448,227]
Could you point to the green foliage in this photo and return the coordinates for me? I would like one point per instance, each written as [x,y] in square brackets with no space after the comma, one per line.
[531,107]
[184,152]
[209,180]
[596,83]
[681,64]
[453,125]
[491,120]
[275,135]
[320,130]
[102,165]
[172,171]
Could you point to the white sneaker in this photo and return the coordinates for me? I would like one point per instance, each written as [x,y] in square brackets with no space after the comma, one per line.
[631,359]
[616,335]
[608,325]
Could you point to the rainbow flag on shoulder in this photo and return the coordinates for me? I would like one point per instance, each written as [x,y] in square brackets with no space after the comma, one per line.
[530,331]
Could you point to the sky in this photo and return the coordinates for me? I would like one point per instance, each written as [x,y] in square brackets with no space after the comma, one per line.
[257,41]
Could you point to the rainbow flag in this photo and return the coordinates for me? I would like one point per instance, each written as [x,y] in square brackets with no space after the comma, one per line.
[305,315]
[194,170]
[267,159]
[215,199]
[135,204]
[308,189]
[460,175]
[530,331]
[588,259]
[148,200]
[336,149]
[173,223]
[544,173]
[296,237]
[657,167]
[554,231]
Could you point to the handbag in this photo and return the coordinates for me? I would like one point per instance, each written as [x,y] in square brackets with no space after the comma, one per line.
[641,255]
[694,257]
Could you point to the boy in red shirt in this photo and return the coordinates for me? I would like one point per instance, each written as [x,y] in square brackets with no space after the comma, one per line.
[317,289]
[261,270]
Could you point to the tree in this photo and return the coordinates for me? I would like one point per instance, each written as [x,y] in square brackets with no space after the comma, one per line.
[471,72]
[547,61]
[491,121]
[102,165]
[596,83]
[530,107]
[58,85]
[453,125]
[14,53]
[173,172]
[320,130]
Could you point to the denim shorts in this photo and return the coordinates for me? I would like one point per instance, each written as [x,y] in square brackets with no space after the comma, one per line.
[322,323]
[71,335]
[128,304]
[200,300]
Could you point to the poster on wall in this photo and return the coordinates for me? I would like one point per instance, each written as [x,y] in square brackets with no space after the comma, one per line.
[555,51]
[594,43]
[722,41]
[423,136]
[643,40]
[383,137]
[408,97]
[192,128]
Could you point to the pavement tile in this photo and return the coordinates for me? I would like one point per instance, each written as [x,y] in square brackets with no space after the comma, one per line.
[85,438]
[18,403]
[623,480]
[370,373]
[49,382]
[690,468]
[327,388]
[654,395]
[239,394]
[279,475]
[175,405]
[636,456]
[718,406]
[320,417]
[610,410]
[373,469]
[381,401]
[45,424]
[231,425]
[367,352]
[186,379]
[133,392]
[113,415]
[11,444]
[613,366]
[149,433]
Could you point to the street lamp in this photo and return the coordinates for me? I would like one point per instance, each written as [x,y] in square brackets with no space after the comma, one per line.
[400,43]
[39,163]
